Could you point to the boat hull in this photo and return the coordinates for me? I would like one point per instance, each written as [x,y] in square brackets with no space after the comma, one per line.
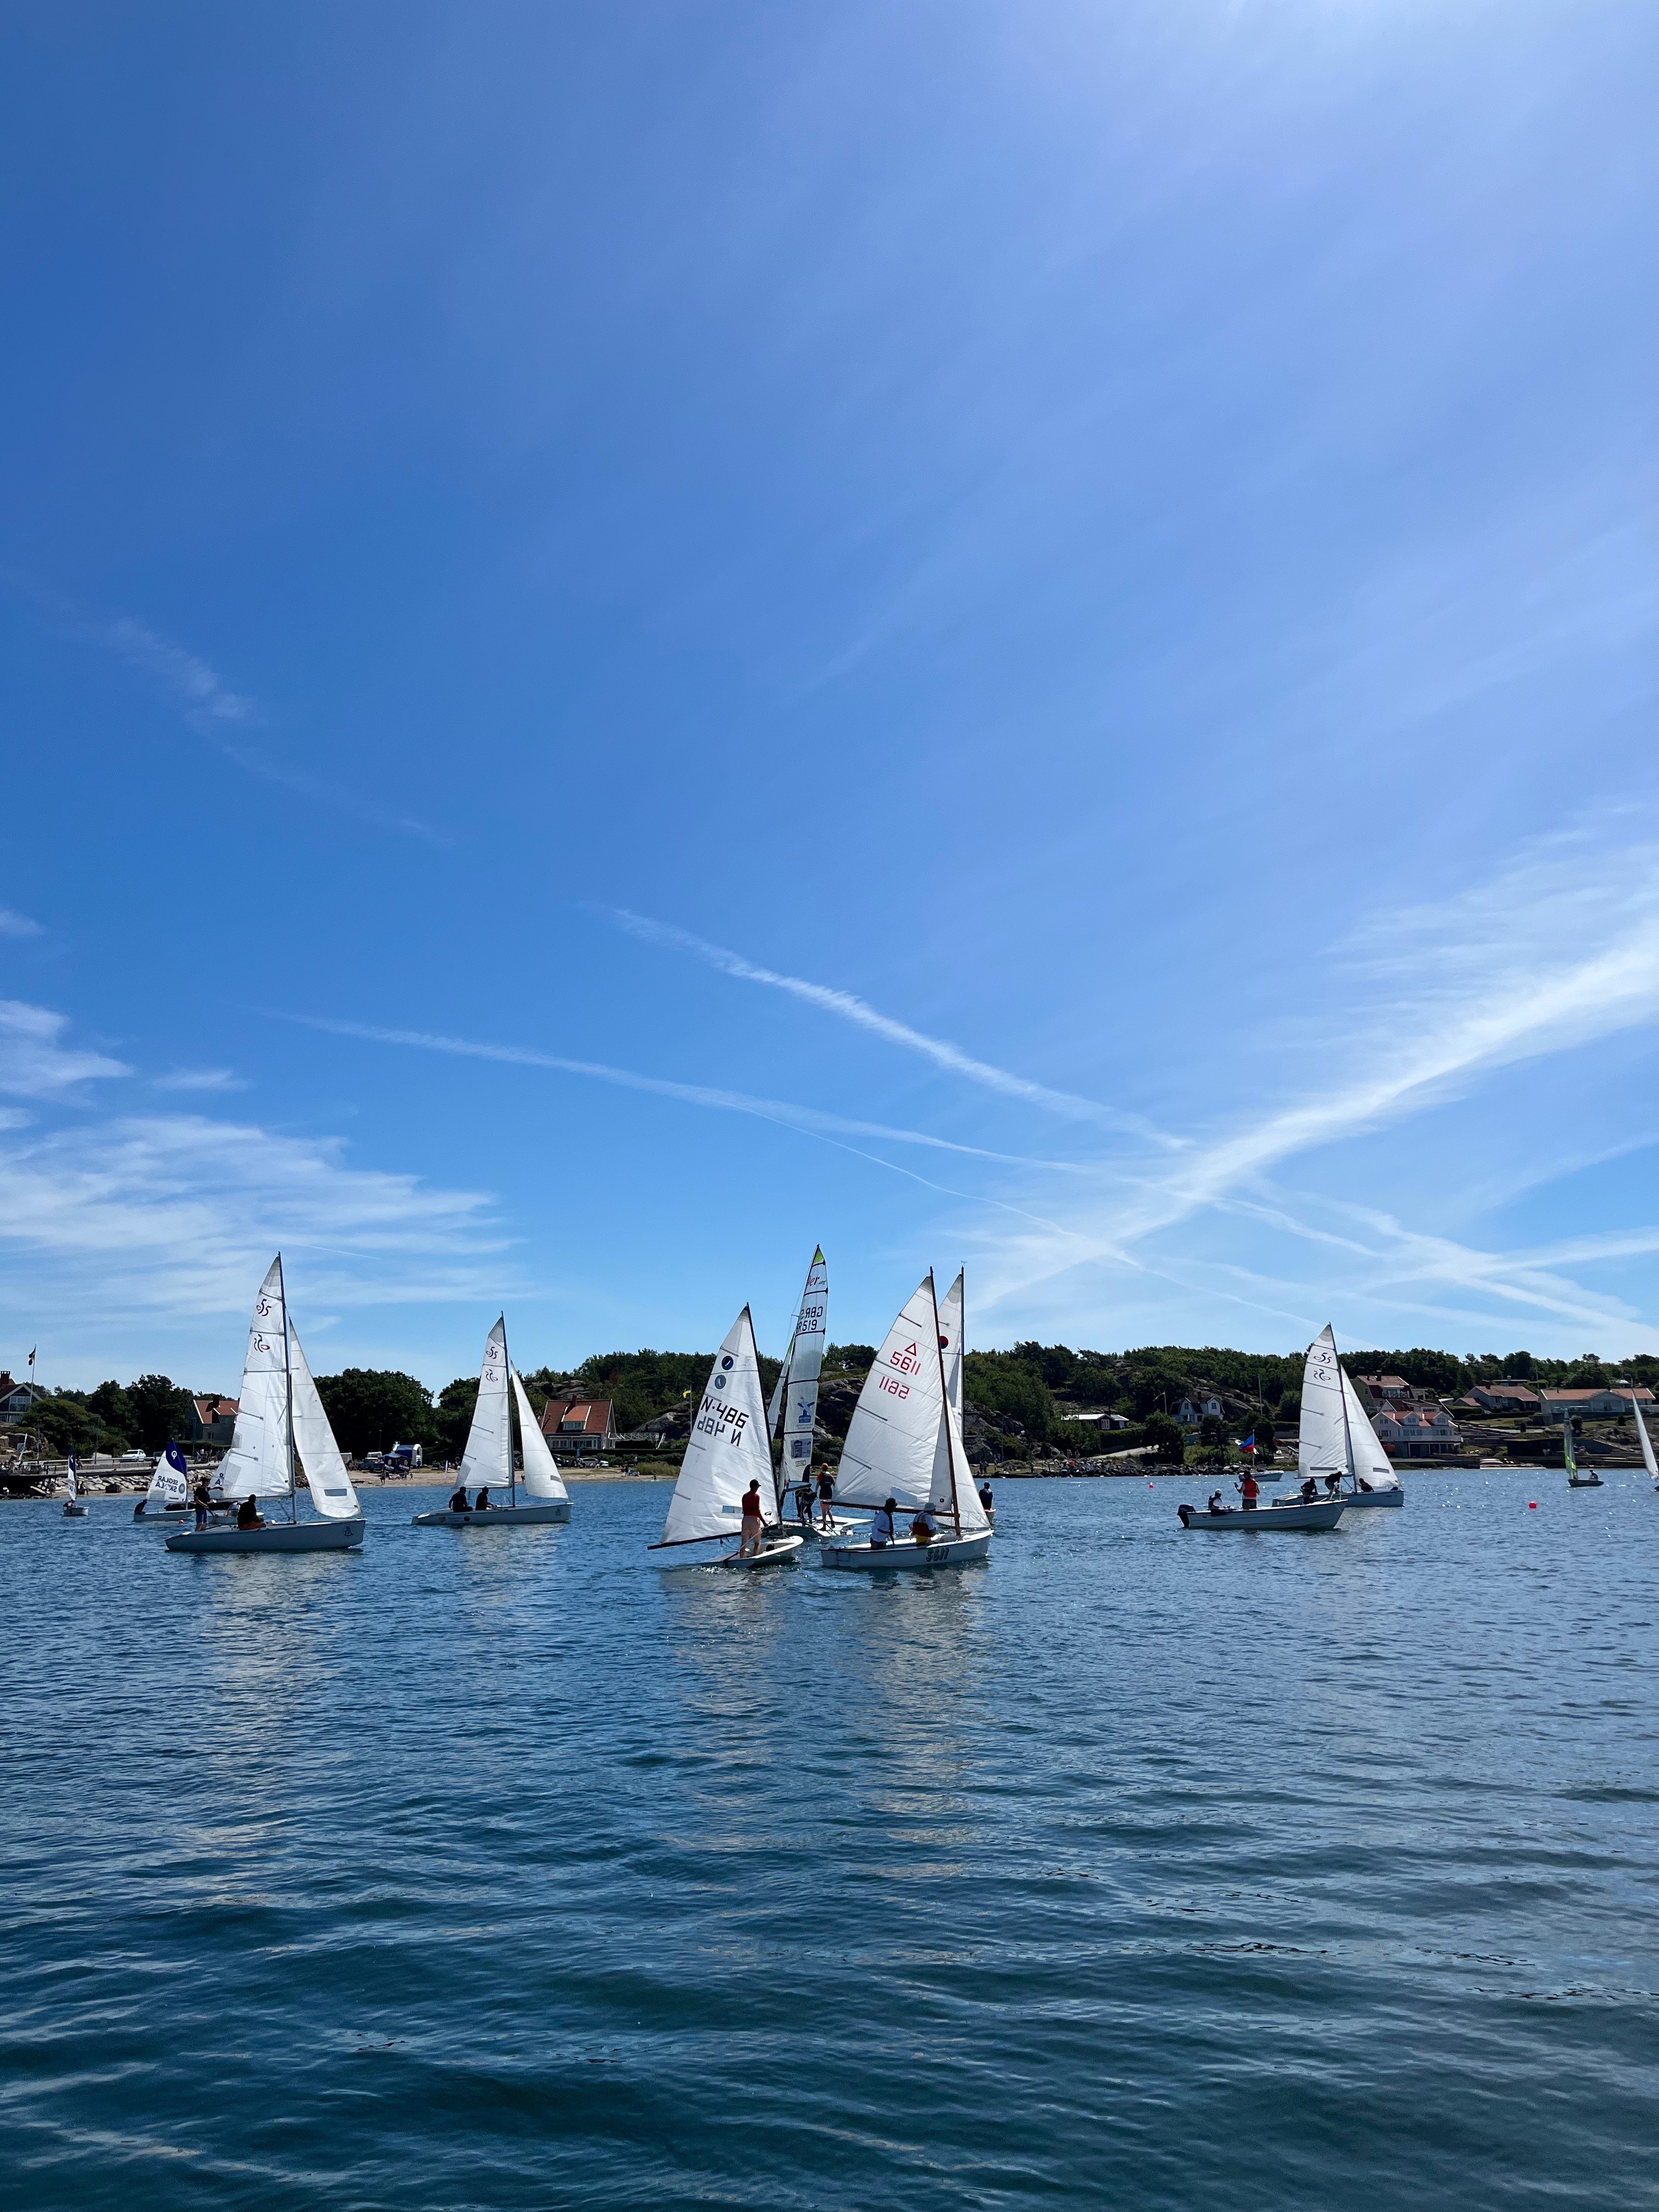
[1585,1482]
[905,1552]
[75,1513]
[1274,1520]
[1358,1500]
[545,1510]
[279,1536]
[776,1551]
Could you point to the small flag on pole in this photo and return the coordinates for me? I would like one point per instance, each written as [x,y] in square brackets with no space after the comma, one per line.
[1248,1444]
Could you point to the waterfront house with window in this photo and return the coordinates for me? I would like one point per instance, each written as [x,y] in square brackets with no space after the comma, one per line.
[580,1427]
[1609,1403]
[1417,1431]
[212,1421]
[15,1399]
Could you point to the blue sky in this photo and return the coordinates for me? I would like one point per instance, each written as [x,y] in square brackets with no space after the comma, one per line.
[997,636]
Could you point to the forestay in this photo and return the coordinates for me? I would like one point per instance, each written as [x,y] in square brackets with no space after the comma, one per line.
[541,1473]
[730,1447]
[259,1464]
[488,1459]
[795,1407]
[1370,1461]
[332,1492]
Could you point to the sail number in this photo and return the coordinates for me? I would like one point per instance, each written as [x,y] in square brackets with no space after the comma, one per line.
[894,1387]
[718,1419]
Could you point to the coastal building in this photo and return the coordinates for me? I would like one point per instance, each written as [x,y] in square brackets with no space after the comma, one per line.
[15,1399]
[1200,1406]
[581,1426]
[1386,1390]
[1417,1431]
[1506,1395]
[1609,1403]
[212,1421]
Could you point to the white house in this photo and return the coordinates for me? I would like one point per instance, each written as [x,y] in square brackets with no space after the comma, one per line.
[1416,1431]
[1203,1405]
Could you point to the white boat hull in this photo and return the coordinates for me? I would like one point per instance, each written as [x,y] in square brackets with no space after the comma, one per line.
[1269,1519]
[905,1552]
[275,1536]
[543,1511]
[774,1552]
[813,1534]
[1356,1499]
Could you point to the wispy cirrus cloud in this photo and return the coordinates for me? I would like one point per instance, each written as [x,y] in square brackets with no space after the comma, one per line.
[199,1079]
[13,924]
[807,1119]
[845,1007]
[205,696]
[35,1063]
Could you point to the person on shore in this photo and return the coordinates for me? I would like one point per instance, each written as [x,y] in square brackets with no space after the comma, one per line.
[481,1504]
[1250,1490]
[458,1502]
[922,1528]
[881,1528]
[749,1542]
[248,1514]
[826,1498]
[202,1498]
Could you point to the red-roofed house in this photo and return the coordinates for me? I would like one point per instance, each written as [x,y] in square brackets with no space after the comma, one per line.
[212,1421]
[1386,1390]
[1607,1404]
[1506,1395]
[581,1425]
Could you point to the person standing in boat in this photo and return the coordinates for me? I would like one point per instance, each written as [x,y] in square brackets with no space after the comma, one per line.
[202,1498]
[826,1496]
[804,1501]
[1249,1489]
[749,1542]
[881,1527]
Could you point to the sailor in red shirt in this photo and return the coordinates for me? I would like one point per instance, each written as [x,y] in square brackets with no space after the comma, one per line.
[1249,1489]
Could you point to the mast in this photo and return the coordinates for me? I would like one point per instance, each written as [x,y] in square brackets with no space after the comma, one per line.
[944,1400]
[288,1379]
[1347,1430]
[507,1362]
[778,1426]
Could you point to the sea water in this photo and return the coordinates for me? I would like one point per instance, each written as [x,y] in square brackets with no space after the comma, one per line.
[492,1869]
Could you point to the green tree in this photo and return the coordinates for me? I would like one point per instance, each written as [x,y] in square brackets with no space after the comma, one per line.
[1164,1435]
[1002,1386]
[372,1408]
[114,1408]
[160,1411]
[66,1423]
[1213,1433]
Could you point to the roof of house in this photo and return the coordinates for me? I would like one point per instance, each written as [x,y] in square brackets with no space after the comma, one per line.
[209,1410]
[588,1417]
[1643,1395]
[1384,1382]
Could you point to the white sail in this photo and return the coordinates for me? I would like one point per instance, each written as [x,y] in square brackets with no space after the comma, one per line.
[169,1485]
[487,1460]
[259,1464]
[1322,1439]
[1370,1461]
[541,1473]
[1643,1437]
[795,1407]
[70,1489]
[900,1444]
[951,1320]
[332,1493]
[729,1448]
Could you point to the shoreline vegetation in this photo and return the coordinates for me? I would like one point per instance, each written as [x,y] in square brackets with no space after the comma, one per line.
[1033,1406]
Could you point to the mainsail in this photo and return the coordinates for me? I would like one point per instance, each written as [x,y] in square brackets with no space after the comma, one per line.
[729,1448]
[541,1473]
[1368,1462]
[332,1493]
[905,1441]
[170,1483]
[260,1461]
[488,1458]
[795,1406]
[1322,1439]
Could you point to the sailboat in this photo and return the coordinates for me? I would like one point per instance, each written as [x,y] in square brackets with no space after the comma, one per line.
[280,1427]
[1335,1435]
[74,1509]
[1579,1478]
[794,1408]
[905,1444]
[487,1463]
[730,1449]
[169,1487]
[1644,1438]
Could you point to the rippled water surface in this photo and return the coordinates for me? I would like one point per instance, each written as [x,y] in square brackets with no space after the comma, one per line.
[1135,1869]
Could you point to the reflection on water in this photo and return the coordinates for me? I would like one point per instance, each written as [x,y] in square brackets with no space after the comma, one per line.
[1134,1868]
